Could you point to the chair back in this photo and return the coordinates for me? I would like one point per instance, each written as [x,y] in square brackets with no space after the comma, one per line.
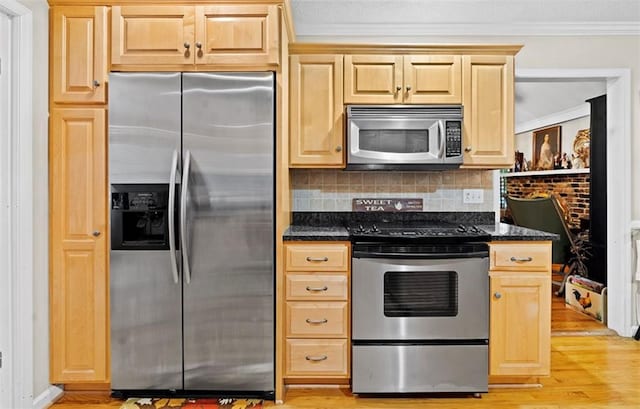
[544,214]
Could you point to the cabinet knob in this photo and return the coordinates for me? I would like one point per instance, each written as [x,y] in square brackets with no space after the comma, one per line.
[338,148]
[467,149]
[187,45]
[408,88]
[96,233]
[398,88]
[199,45]
[497,295]
[96,83]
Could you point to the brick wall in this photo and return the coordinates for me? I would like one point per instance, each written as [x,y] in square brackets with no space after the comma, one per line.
[572,190]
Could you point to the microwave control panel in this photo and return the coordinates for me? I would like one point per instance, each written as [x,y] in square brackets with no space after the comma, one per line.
[453,136]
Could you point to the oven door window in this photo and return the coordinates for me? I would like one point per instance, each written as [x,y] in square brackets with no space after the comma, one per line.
[420,294]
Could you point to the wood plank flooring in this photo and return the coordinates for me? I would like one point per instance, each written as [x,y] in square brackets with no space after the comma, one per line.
[587,372]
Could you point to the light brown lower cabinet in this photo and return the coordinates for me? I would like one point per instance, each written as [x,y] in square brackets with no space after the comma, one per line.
[520,309]
[79,282]
[317,312]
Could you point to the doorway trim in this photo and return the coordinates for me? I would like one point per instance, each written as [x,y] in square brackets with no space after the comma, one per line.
[20,210]
[619,277]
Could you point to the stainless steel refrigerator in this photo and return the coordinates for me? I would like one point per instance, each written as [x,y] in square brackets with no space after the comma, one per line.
[191,167]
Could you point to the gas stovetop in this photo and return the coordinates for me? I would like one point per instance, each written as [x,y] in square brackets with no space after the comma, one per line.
[423,232]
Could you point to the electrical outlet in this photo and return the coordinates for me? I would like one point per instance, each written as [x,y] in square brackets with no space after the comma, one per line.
[472,196]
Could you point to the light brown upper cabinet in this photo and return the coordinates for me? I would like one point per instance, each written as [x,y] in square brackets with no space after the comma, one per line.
[488,110]
[78,277]
[409,79]
[195,37]
[316,111]
[79,54]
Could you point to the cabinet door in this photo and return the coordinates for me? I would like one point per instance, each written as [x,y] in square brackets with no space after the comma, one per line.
[488,110]
[79,54]
[79,281]
[237,35]
[435,79]
[152,35]
[520,324]
[373,79]
[316,111]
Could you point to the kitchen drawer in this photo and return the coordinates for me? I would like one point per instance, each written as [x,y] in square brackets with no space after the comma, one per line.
[310,287]
[307,357]
[317,320]
[316,257]
[525,257]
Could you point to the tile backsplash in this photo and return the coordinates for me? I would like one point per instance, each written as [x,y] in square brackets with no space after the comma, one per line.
[333,189]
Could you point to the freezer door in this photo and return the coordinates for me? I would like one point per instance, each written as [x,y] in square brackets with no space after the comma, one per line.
[144,126]
[228,136]
[146,338]
[146,293]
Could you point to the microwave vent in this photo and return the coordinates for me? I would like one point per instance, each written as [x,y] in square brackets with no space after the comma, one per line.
[420,111]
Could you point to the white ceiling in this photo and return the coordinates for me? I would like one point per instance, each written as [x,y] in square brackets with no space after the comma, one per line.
[466,21]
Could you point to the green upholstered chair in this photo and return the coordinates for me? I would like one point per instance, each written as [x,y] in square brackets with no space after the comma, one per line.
[547,215]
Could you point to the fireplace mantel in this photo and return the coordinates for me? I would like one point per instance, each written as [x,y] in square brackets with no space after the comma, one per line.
[546,172]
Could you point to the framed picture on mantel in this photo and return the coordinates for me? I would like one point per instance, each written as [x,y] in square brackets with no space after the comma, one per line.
[546,145]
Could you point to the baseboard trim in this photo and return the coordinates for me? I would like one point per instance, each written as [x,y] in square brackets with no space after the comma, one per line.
[48,397]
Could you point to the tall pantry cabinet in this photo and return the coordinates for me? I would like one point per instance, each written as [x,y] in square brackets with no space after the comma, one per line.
[86,42]
[78,274]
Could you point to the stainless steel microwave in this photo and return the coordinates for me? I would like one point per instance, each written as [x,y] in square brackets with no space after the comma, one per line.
[404,137]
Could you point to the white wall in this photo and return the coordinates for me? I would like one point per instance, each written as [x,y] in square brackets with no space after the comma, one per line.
[595,52]
[40,11]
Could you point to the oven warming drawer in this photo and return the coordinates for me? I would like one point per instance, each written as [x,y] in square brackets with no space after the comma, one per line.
[411,368]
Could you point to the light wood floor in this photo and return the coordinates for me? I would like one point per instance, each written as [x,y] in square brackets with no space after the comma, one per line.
[587,372]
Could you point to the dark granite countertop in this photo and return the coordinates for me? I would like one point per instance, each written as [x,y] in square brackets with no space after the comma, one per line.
[331,227]
[505,232]
[316,233]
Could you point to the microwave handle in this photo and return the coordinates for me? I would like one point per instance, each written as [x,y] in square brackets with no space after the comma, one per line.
[442,140]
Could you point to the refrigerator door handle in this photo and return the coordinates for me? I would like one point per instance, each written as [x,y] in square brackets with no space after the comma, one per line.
[172,223]
[183,215]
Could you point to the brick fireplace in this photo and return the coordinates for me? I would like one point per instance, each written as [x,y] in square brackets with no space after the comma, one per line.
[571,188]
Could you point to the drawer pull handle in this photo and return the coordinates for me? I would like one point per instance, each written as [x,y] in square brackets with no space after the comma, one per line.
[316,358]
[321,259]
[325,288]
[322,321]
[521,259]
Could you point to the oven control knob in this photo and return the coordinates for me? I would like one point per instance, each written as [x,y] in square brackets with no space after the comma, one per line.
[374,229]
[361,228]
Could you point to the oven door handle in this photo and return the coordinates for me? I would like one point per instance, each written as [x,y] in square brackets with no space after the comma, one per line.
[420,256]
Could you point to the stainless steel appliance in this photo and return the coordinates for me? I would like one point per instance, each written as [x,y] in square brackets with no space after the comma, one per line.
[191,165]
[404,137]
[420,309]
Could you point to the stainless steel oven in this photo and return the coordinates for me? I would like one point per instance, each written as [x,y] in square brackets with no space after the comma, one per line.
[420,317]
[406,137]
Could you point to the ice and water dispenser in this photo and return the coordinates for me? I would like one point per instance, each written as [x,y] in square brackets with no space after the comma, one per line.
[139,217]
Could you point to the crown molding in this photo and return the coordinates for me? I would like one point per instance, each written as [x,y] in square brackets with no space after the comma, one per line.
[576,112]
[356,29]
